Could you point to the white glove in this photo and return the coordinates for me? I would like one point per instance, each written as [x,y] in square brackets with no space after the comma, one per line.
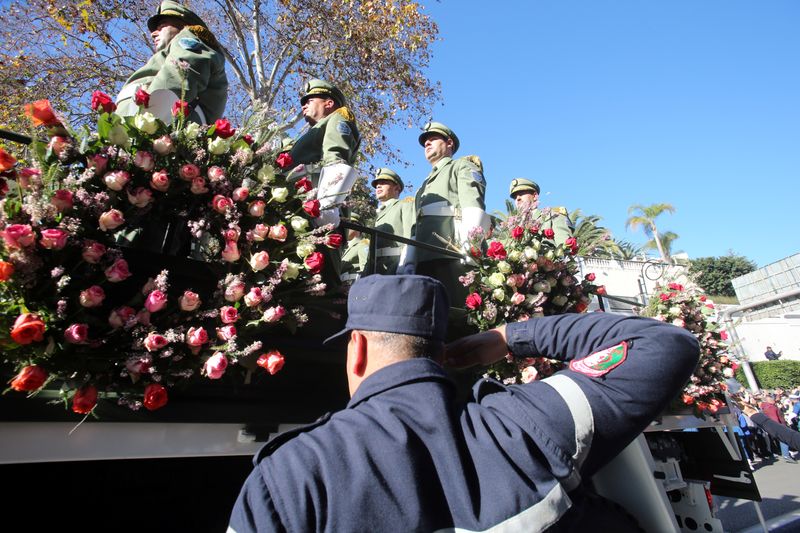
[471,217]
[335,182]
[408,258]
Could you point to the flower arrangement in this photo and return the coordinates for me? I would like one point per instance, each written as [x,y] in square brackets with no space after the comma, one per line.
[686,306]
[78,314]
[523,274]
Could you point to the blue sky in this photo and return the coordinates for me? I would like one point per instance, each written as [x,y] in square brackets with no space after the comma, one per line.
[611,103]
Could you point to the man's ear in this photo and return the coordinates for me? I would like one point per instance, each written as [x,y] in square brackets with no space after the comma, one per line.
[329,104]
[358,363]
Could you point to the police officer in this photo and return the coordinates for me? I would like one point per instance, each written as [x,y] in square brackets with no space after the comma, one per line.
[180,37]
[356,253]
[404,457]
[525,194]
[394,216]
[449,205]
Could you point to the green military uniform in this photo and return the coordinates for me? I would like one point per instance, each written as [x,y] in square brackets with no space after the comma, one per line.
[394,216]
[450,196]
[205,84]
[555,218]
[354,259]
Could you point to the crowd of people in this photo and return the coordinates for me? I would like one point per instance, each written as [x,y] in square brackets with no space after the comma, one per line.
[768,424]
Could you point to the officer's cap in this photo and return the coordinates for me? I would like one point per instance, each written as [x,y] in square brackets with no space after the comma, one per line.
[176,10]
[421,311]
[324,89]
[523,185]
[438,128]
[388,175]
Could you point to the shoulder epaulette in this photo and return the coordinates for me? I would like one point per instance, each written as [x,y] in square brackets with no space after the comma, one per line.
[408,199]
[346,114]
[205,35]
[560,210]
[475,160]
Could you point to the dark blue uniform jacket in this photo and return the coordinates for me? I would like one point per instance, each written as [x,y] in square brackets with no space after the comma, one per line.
[404,457]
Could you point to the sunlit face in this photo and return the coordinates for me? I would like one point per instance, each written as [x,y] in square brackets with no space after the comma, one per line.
[165,32]
[526,199]
[386,190]
[436,147]
[316,108]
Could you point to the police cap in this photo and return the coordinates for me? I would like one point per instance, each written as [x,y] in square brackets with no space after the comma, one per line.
[437,128]
[174,10]
[523,185]
[388,175]
[323,89]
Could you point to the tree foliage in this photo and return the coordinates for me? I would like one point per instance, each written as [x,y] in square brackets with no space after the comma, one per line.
[645,216]
[593,240]
[714,274]
[376,51]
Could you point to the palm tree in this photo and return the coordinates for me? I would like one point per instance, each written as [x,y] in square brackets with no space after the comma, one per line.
[593,240]
[666,238]
[629,251]
[646,218]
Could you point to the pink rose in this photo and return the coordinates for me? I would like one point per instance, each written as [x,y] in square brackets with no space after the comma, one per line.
[120,316]
[234,291]
[231,252]
[189,301]
[19,236]
[228,314]
[474,301]
[111,219]
[160,181]
[259,261]
[226,333]
[273,314]
[278,232]
[256,209]
[140,197]
[62,200]
[98,163]
[231,234]
[199,186]
[315,262]
[240,194]
[76,333]
[53,239]
[515,280]
[271,361]
[216,173]
[163,145]
[517,298]
[139,365]
[144,160]
[258,233]
[196,337]
[215,365]
[253,298]
[155,301]
[188,172]
[92,297]
[118,271]
[116,179]
[529,374]
[220,203]
[93,252]
[154,342]
[24,176]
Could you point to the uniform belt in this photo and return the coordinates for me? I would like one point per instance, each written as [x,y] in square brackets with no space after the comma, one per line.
[439,209]
[129,91]
[389,250]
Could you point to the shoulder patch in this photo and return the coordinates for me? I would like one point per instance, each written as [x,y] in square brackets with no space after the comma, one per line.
[190,43]
[602,362]
[343,128]
[478,176]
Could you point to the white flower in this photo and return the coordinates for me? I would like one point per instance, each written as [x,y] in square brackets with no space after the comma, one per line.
[292,271]
[146,122]
[280,194]
[559,299]
[305,249]
[503,267]
[118,136]
[218,145]
[499,295]
[192,129]
[266,174]
[245,155]
[514,256]
[530,253]
[298,223]
[496,279]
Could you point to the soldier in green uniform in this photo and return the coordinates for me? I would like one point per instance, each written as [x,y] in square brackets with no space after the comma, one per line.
[449,205]
[394,216]
[354,259]
[526,198]
[181,38]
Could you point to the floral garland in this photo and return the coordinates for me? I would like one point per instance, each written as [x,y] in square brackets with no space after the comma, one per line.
[522,275]
[75,311]
[686,306]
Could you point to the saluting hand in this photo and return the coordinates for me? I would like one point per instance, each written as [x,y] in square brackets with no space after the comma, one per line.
[480,349]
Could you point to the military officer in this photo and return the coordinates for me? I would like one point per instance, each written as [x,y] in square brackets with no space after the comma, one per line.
[354,258]
[449,205]
[525,194]
[181,38]
[394,216]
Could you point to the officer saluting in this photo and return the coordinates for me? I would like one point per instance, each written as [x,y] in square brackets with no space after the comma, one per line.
[394,216]
[180,37]
[526,197]
[403,456]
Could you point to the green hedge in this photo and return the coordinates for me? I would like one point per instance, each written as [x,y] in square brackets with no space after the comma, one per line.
[772,374]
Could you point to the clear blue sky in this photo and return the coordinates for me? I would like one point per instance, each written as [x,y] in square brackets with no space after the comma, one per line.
[607,103]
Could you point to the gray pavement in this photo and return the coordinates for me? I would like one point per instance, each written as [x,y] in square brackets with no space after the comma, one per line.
[779,484]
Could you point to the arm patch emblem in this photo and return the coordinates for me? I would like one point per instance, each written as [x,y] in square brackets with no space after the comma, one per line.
[602,362]
[343,128]
[188,43]
[478,176]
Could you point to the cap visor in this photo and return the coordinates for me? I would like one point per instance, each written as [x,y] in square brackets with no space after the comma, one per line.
[337,337]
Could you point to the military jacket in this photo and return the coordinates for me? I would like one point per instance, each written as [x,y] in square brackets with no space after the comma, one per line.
[557,220]
[206,83]
[397,217]
[354,258]
[334,139]
[458,183]
[404,456]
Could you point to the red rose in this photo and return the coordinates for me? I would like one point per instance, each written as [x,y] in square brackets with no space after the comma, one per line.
[41,113]
[601,290]
[142,97]
[28,328]
[518,232]
[30,378]
[155,396]
[549,233]
[303,185]
[474,252]
[590,276]
[6,270]
[7,161]
[248,139]
[102,100]
[703,298]
[496,250]
[675,286]
[723,335]
[180,108]
[534,229]
[284,160]
[687,399]
[474,301]
[271,361]
[580,307]
[223,128]
[84,400]
[334,240]
[312,208]
[665,296]
[315,262]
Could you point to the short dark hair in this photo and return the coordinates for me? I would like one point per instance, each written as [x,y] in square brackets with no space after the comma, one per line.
[404,346]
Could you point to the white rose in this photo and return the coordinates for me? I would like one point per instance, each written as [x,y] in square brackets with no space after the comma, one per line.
[530,253]
[305,249]
[514,256]
[292,271]
[280,194]
[118,136]
[266,174]
[503,267]
[497,279]
[146,122]
[192,129]
[559,299]
[499,295]
[299,223]
[218,145]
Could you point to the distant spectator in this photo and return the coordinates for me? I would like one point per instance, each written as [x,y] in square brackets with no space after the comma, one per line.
[772,356]
[772,412]
[786,436]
